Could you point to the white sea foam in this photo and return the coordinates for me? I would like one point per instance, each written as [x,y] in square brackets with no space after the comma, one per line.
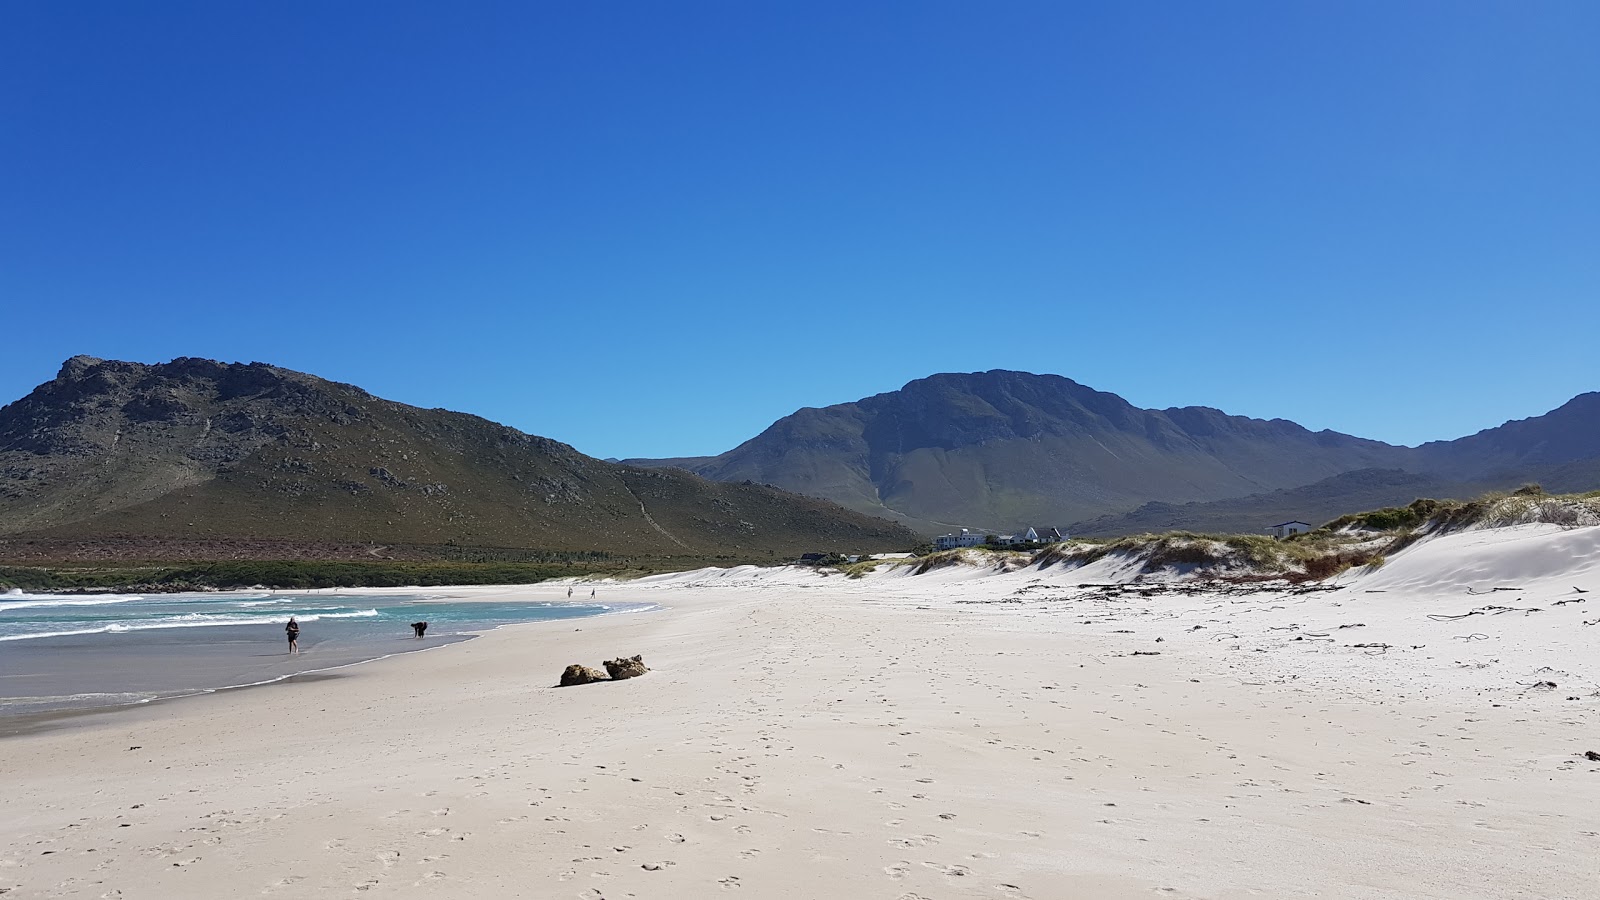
[58,601]
[190,620]
[49,634]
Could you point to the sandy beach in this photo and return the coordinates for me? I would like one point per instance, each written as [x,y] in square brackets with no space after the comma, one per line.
[967,732]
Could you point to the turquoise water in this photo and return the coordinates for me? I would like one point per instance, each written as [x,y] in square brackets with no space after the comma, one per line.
[73,652]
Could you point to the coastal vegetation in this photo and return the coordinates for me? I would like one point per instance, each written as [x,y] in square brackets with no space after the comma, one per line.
[305,574]
[1365,539]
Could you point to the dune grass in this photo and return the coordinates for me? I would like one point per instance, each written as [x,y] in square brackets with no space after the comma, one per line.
[1356,540]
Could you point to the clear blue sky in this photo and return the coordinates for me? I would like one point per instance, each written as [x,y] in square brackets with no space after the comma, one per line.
[653,228]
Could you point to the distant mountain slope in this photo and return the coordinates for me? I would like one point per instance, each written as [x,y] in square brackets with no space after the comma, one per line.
[199,449]
[1569,434]
[1002,449]
[1325,500]
[1314,503]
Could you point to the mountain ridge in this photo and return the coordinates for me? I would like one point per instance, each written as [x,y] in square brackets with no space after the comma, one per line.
[1002,449]
[197,449]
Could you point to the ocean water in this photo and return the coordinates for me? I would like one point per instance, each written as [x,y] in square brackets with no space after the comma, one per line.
[78,652]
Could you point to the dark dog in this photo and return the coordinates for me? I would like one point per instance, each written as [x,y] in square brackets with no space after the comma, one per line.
[420,628]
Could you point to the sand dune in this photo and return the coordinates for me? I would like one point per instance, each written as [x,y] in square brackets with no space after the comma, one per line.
[962,733]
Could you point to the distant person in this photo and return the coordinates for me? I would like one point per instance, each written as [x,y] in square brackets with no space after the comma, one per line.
[591,592]
[293,631]
[420,628]
[569,592]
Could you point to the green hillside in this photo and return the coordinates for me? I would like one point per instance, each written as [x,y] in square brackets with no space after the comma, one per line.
[199,452]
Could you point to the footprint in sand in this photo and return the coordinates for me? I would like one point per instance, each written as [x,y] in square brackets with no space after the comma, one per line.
[898,871]
[729,883]
[948,870]
[289,881]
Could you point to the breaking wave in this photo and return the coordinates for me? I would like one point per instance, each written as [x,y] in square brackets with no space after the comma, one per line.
[191,620]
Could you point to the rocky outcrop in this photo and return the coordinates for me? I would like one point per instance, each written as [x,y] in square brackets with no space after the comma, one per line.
[576,674]
[630,667]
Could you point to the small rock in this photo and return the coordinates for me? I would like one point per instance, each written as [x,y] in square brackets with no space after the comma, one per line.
[630,667]
[576,674]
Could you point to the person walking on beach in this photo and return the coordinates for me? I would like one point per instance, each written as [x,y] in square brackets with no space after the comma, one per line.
[569,592]
[293,631]
[591,592]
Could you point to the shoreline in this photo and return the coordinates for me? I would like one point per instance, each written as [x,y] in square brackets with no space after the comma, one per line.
[30,723]
[26,713]
[35,721]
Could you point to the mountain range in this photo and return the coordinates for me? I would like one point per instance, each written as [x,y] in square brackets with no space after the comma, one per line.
[201,452]
[1000,449]
[195,453]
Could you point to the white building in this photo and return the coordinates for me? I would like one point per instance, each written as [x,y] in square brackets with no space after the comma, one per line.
[952,541]
[1011,540]
[1285,529]
[974,539]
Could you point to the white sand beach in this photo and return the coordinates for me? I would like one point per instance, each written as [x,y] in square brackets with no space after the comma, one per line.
[961,733]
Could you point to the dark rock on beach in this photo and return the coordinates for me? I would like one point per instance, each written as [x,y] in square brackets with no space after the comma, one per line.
[576,674]
[630,667]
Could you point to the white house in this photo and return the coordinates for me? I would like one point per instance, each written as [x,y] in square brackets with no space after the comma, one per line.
[1285,529]
[975,539]
[952,541]
[1011,540]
